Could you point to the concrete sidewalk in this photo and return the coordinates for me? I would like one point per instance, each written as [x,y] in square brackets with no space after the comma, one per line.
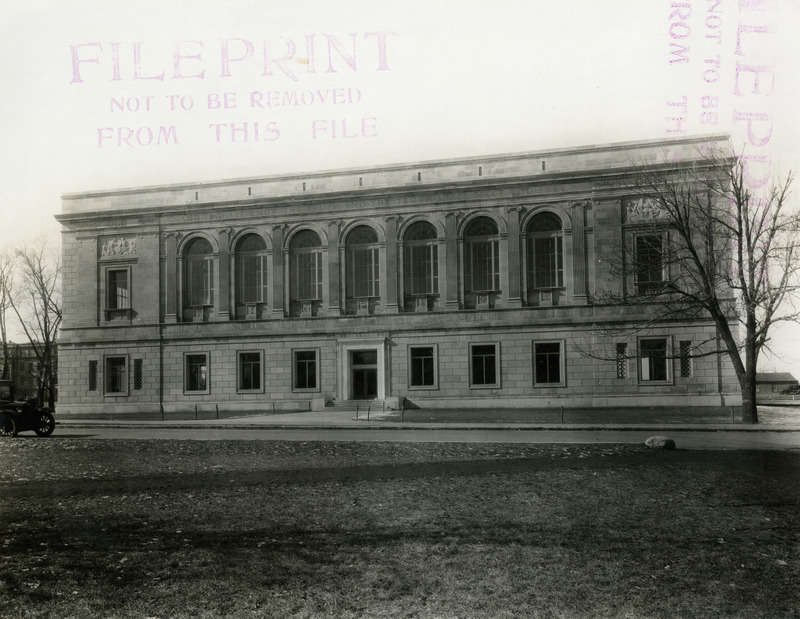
[771,419]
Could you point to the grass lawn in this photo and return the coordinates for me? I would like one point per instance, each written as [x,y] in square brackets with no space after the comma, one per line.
[166,528]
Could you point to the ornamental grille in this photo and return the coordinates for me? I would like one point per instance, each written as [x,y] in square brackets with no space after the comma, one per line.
[686,359]
[362,235]
[420,231]
[199,247]
[481,226]
[138,373]
[622,361]
[92,375]
[252,242]
[305,239]
[545,222]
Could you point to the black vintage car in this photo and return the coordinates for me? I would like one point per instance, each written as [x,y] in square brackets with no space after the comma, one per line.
[26,415]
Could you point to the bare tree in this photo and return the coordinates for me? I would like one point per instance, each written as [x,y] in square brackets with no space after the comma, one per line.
[708,244]
[37,304]
[6,289]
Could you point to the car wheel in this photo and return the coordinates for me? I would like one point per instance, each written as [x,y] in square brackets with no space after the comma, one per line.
[45,424]
[8,427]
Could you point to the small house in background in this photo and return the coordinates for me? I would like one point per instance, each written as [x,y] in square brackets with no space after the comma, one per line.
[774,382]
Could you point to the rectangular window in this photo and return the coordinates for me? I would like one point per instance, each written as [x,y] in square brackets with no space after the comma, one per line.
[308,278]
[484,365]
[421,269]
[653,360]
[622,361]
[686,359]
[483,261]
[364,276]
[116,376]
[305,369]
[118,289]
[249,371]
[650,266]
[196,372]
[547,363]
[200,274]
[138,373]
[92,375]
[548,261]
[422,366]
[252,282]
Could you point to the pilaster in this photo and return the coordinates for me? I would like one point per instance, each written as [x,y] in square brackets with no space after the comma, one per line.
[511,278]
[223,267]
[579,250]
[278,254]
[171,274]
[391,264]
[334,269]
[450,275]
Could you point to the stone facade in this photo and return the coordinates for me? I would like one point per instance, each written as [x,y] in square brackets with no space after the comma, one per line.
[465,282]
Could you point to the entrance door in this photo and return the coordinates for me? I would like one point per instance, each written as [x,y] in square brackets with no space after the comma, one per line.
[364,372]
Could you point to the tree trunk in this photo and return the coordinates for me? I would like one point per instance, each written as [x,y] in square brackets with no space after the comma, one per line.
[749,408]
[748,381]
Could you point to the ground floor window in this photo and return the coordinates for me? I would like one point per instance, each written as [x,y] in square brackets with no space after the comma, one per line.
[305,370]
[653,364]
[249,371]
[422,366]
[548,363]
[484,362]
[196,373]
[116,375]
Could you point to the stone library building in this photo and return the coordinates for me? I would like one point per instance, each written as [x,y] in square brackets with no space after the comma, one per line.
[470,282]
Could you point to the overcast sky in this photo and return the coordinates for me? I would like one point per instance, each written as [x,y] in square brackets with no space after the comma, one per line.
[112,94]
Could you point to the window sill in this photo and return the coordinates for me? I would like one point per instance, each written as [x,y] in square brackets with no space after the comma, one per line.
[118,314]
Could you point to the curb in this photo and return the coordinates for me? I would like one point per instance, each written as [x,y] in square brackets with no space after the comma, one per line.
[431,427]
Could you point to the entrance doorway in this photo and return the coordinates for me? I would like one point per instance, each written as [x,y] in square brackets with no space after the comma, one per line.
[364,374]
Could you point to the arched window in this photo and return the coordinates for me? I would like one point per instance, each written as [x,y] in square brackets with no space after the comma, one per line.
[363,260]
[481,256]
[305,264]
[421,259]
[251,270]
[545,252]
[199,273]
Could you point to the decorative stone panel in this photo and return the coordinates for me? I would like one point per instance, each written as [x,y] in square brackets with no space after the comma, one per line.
[643,210]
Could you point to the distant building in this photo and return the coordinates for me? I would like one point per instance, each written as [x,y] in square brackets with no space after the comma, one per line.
[24,369]
[774,382]
[455,283]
